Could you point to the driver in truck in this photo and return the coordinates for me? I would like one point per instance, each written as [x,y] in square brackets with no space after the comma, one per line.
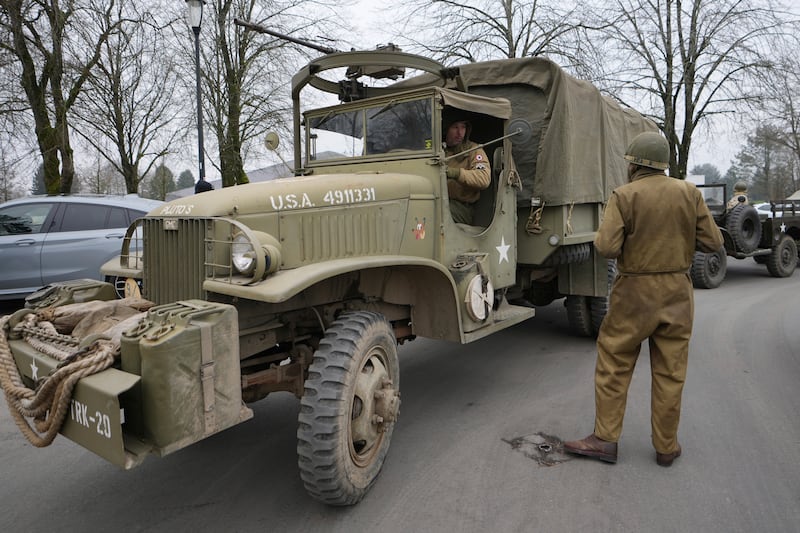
[468,173]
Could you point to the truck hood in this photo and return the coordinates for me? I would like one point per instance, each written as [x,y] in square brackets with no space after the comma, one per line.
[300,192]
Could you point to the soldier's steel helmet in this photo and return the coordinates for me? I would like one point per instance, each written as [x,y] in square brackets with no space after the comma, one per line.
[740,186]
[648,149]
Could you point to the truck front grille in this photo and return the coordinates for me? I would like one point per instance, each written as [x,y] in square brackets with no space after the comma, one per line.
[174,259]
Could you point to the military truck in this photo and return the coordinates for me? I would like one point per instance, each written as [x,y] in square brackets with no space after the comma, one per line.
[308,284]
[769,240]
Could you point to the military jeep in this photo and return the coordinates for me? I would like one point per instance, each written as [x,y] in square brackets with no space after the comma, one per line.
[771,241]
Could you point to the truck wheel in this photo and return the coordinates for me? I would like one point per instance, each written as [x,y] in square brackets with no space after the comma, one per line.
[349,407]
[783,259]
[744,226]
[708,270]
[598,305]
[579,315]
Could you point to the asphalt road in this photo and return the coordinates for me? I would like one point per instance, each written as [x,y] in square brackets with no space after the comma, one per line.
[465,454]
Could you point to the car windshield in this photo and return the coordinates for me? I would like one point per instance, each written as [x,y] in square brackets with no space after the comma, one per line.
[394,126]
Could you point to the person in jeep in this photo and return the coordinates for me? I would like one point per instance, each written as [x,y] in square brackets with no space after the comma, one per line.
[467,173]
[739,195]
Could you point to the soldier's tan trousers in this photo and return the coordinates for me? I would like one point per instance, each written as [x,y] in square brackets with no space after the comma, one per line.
[655,306]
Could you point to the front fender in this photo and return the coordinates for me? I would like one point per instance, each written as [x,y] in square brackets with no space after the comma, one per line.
[425,285]
[284,284]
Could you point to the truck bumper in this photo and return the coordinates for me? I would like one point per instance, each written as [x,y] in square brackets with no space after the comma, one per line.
[178,381]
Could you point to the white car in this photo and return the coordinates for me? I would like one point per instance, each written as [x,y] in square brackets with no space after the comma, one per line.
[766,210]
[44,239]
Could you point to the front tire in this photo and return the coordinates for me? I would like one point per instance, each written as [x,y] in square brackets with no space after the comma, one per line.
[348,409]
[783,259]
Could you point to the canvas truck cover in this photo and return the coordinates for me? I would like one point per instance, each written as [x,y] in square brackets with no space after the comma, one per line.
[575,152]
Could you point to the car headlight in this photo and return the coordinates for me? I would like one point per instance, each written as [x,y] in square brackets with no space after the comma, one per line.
[243,255]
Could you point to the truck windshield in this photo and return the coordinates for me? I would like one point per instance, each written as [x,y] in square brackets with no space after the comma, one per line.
[394,126]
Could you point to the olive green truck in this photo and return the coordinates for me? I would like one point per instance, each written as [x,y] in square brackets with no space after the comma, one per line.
[307,284]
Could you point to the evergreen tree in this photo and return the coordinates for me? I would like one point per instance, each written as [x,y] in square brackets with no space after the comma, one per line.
[162,183]
[185,179]
[38,186]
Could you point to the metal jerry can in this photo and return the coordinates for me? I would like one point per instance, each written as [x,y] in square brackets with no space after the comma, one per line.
[187,354]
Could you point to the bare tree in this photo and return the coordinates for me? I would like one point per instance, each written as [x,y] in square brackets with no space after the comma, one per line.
[128,111]
[457,31]
[101,177]
[246,75]
[684,62]
[56,58]
[10,187]
[781,104]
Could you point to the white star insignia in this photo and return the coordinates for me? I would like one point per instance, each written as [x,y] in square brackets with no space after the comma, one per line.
[34,370]
[503,250]
[783,227]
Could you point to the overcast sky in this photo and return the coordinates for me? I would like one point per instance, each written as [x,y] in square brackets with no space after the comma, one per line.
[717,148]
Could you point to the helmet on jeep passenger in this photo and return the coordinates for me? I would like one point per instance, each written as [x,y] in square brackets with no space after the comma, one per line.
[648,149]
[740,186]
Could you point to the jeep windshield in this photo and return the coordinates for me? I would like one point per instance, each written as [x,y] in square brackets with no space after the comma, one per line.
[392,126]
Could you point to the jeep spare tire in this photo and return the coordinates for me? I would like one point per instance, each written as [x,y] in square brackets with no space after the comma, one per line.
[745,227]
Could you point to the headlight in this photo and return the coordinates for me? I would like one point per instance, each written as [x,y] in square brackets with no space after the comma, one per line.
[243,255]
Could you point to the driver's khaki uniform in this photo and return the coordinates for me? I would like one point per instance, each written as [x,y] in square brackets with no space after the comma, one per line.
[475,175]
[651,226]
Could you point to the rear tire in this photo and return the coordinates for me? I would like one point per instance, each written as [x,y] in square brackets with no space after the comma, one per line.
[708,269]
[348,409]
[579,315]
[598,305]
[783,259]
[744,225]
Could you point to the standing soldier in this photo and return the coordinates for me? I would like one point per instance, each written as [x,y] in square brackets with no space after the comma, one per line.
[651,226]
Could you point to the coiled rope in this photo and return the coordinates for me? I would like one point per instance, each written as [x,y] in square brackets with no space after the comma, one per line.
[48,403]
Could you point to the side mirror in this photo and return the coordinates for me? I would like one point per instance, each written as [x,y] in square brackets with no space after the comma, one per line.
[271,141]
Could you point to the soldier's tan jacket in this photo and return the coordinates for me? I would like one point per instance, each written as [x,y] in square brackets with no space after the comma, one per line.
[654,224]
[475,173]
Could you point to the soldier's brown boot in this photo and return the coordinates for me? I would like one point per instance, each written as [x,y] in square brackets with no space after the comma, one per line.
[665,459]
[593,447]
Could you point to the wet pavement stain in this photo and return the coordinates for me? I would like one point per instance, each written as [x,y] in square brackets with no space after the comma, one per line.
[546,450]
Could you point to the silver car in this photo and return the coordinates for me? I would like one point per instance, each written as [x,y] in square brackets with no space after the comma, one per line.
[44,239]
